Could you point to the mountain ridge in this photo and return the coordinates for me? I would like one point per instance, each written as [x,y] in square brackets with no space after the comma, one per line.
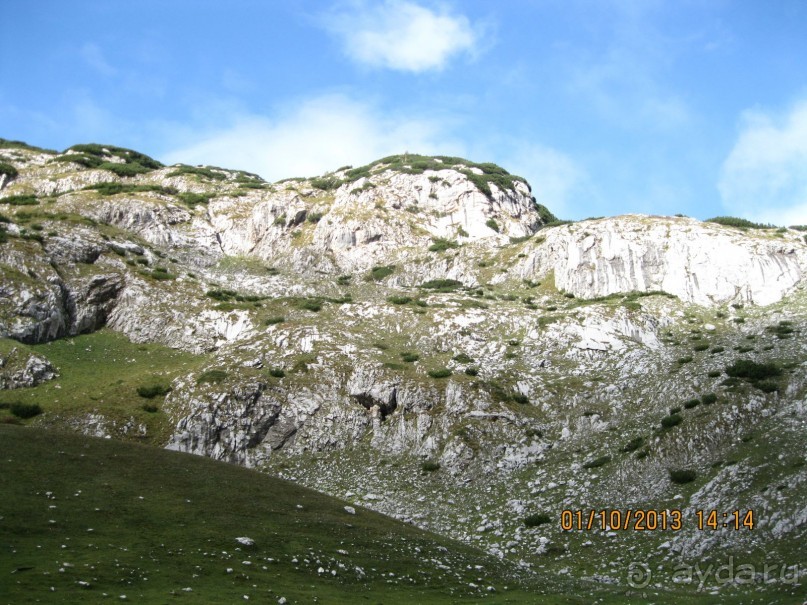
[407,342]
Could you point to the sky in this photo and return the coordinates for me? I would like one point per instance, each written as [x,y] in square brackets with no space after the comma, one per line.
[607,107]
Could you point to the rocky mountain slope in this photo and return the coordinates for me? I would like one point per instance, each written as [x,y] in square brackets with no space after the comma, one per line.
[420,336]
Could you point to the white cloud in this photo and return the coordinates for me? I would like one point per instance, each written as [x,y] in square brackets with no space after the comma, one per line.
[318,135]
[764,178]
[402,35]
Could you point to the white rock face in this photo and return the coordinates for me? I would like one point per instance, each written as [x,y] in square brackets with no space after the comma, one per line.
[698,262]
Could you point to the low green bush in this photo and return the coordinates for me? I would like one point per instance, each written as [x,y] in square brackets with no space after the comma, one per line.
[537,519]
[277,373]
[380,272]
[692,403]
[399,300]
[270,321]
[672,420]
[462,358]
[522,399]
[409,357]
[492,224]
[441,285]
[311,304]
[633,445]
[202,171]
[732,221]
[20,200]
[25,410]
[153,390]
[440,373]
[430,466]
[682,476]
[752,370]
[441,245]
[8,170]
[709,398]
[472,371]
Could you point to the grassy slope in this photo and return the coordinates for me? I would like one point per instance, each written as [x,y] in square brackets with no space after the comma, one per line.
[147,523]
[100,373]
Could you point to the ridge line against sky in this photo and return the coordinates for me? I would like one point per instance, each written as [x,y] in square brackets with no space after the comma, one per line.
[605,107]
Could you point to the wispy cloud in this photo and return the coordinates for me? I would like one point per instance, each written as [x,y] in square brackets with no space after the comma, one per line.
[765,176]
[94,57]
[318,135]
[401,35]
[557,181]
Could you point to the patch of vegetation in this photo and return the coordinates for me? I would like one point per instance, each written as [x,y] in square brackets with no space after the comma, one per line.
[25,410]
[597,462]
[277,373]
[399,300]
[114,188]
[8,170]
[133,163]
[270,321]
[311,304]
[633,445]
[709,398]
[194,199]
[212,377]
[378,273]
[430,466]
[741,223]
[672,420]
[753,371]
[441,245]
[492,224]
[537,519]
[409,357]
[153,390]
[441,285]
[439,373]
[314,217]
[472,371]
[682,476]
[20,200]
[202,171]
[327,183]
[691,403]
[463,358]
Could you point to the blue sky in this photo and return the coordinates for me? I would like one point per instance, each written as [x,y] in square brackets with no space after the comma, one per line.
[606,107]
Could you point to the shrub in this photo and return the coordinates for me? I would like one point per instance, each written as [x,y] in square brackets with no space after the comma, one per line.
[270,321]
[597,462]
[20,200]
[430,466]
[716,350]
[472,371]
[380,272]
[399,300]
[732,221]
[442,285]
[25,410]
[277,373]
[212,377]
[685,359]
[8,170]
[681,476]
[326,183]
[441,245]
[150,408]
[311,304]
[492,224]
[314,217]
[633,445]
[700,347]
[753,371]
[462,358]
[709,398]
[714,373]
[537,519]
[204,172]
[409,357]
[440,373]
[280,220]
[344,280]
[124,170]
[692,403]
[522,399]
[672,420]
[153,390]
[220,294]
[766,386]
[194,199]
